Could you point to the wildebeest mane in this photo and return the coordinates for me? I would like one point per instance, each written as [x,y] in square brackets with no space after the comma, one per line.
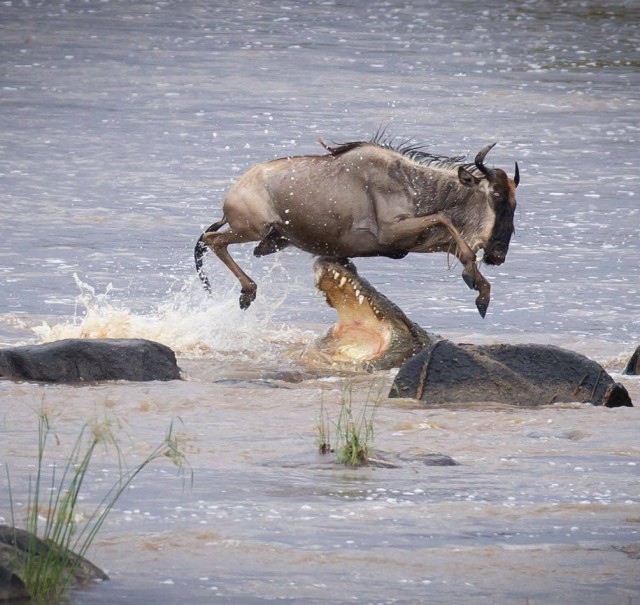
[409,148]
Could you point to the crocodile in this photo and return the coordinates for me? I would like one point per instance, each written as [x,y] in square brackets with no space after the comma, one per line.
[372,333]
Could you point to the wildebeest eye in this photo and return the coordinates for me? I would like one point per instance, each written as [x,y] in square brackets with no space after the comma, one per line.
[497,194]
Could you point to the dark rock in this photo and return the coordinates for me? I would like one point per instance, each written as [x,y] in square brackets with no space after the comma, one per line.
[427,459]
[245,383]
[633,367]
[574,435]
[631,550]
[291,376]
[525,375]
[12,588]
[79,360]
[438,460]
[16,544]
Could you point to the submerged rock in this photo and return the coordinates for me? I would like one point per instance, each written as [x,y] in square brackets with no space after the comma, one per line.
[633,367]
[631,550]
[525,375]
[15,546]
[427,459]
[80,360]
[12,588]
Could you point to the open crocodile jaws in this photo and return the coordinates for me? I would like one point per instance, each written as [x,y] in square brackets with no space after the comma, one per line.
[371,331]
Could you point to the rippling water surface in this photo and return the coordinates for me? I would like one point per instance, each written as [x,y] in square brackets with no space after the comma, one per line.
[123,125]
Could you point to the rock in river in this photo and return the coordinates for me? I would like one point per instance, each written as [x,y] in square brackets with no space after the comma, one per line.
[80,360]
[633,367]
[16,545]
[525,375]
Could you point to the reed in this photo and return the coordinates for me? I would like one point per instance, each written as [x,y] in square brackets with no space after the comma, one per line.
[324,431]
[52,507]
[354,428]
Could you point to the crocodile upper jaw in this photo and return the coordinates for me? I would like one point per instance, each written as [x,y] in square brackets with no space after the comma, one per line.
[371,331]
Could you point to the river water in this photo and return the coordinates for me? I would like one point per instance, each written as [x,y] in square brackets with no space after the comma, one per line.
[124,123]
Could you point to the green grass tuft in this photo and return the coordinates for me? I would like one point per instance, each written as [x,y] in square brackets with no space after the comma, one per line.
[52,507]
[354,429]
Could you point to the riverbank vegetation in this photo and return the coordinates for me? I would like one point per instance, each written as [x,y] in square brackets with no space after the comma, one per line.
[353,430]
[57,534]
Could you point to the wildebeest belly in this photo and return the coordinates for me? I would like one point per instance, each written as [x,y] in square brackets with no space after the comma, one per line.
[328,241]
[328,228]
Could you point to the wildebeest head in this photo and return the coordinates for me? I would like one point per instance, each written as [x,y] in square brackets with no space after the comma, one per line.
[502,201]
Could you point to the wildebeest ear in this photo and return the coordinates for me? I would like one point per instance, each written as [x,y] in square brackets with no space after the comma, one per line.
[466,178]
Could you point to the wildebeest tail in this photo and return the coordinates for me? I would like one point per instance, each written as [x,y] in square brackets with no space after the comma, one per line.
[201,248]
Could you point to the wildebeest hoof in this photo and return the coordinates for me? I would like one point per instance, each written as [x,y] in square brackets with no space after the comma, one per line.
[482,307]
[247,296]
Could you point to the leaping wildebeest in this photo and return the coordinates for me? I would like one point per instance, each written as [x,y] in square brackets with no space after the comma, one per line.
[369,198]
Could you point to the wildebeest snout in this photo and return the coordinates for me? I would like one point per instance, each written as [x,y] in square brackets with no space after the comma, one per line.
[495,254]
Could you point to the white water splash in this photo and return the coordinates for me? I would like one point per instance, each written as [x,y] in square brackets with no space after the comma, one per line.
[192,324]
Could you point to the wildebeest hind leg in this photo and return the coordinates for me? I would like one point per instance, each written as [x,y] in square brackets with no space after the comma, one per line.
[218,242]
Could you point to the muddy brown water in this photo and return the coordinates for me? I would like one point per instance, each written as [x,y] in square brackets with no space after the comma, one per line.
[541,505]
[123,124]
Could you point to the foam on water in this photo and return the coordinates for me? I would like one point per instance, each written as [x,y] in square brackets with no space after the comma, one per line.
[192,324]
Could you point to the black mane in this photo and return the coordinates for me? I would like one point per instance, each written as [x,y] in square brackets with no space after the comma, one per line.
[409,148]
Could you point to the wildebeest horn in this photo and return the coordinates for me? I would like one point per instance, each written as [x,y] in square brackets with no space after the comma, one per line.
[516,176]
[488,172]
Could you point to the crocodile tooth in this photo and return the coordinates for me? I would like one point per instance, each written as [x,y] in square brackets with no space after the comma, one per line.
[343,280]
[358,293]
[360,298]
[336,275]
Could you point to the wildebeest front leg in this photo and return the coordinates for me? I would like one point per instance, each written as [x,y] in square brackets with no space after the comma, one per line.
[218,242]
[408,232]
[272,242]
